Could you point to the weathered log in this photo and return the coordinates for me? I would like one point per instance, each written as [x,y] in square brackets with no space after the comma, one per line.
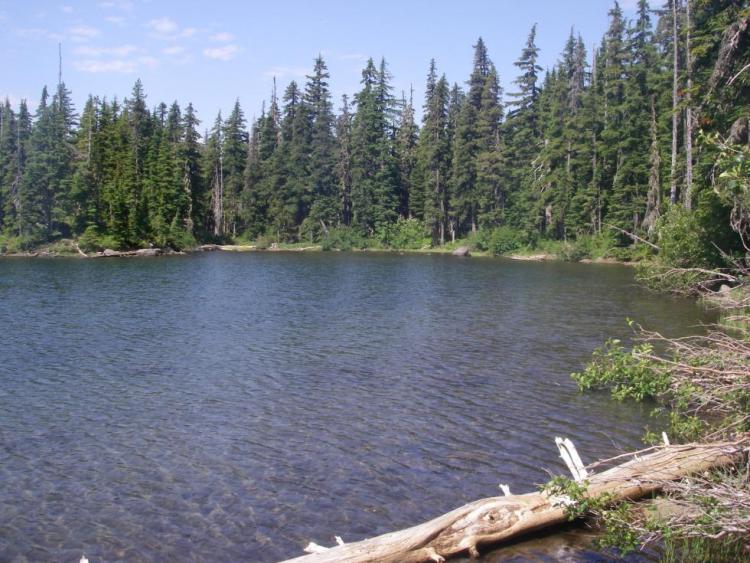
[493,520]
[462,251]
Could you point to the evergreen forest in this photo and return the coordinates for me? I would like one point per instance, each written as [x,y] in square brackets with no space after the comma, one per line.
[643,135]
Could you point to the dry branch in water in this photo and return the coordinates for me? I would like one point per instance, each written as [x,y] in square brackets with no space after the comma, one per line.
[714,367]
[493,520]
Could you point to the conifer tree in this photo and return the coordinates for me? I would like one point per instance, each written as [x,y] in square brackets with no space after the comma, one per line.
[470,140]
[214,165]
[323,207]
[86,182]
[234,153]
[373,165]
[15,134]
[344,160]
[433,157]
[522,135]
[405,147]
[46,180]
[189,154]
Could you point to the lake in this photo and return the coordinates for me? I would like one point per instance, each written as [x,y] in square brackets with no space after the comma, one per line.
[235,407]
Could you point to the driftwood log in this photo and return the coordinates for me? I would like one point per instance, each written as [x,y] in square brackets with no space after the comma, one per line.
[491,521]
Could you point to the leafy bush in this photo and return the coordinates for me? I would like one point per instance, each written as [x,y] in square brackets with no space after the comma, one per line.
[575,251]
[311,230]
[343,238]
[501,240]
[690,238]
[25,243]
[404,233]
[628,374]
[682,241]
[602,245]
[263,242]
[180,239]
[92,240]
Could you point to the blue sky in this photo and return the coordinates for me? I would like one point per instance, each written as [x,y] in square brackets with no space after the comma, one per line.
[211,52]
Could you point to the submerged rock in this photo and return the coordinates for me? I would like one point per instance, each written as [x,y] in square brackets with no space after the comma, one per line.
[461,251]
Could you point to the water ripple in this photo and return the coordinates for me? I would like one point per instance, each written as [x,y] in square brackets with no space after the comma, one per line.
[235,407]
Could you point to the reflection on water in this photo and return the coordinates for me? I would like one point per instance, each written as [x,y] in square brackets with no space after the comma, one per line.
[235,407]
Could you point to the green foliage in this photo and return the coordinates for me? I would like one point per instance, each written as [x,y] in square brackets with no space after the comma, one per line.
[92,240]
[635,253]
[179,239]
[578,503]
[618,531]
[680,549]
[344,238]
[603,246]
[501,240]
[584,149]
[628,374]
[18,244]
[408,234]
[684,242]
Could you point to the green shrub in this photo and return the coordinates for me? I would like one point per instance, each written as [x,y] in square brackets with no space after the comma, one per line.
[626,373]
[311,230]
[25,243]
[343,238]
[690,238]
[501,240]
[574,251]
[404,233]
[180,239]
[263,242]
[92,240]
[682,240]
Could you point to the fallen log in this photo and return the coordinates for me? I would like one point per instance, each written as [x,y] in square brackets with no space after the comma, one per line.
[493,520]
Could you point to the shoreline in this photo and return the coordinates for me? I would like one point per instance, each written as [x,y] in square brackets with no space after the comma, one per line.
[73,251]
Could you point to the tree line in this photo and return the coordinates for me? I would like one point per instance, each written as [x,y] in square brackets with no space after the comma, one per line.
[605,139]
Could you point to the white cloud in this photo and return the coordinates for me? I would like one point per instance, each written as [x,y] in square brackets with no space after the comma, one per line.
[224,53]
[67,9]
[149,62]
[177,54]
[167,28]
[83,33]
[173,51]
[286,71]
[116,65]
[123,5]
[222,37]
[163,26]
[119,51]
[31,33]
[119,21]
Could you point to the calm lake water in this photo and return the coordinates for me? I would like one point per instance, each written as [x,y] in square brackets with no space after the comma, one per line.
[232,407]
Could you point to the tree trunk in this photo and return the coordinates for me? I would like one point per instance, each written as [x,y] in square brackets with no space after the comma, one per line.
[653,199]
[688,114]
[497,519]
[675,101]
